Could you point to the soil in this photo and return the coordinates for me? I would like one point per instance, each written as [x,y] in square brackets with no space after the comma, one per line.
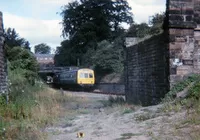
[97,121]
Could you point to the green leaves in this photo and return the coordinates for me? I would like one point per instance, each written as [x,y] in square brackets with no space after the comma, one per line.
[99,16]
[107,58]
[12,39]
[87,23]
[143,29]
[42,49]
[22,61]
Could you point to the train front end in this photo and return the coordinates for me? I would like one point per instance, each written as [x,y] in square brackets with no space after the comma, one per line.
[85,78]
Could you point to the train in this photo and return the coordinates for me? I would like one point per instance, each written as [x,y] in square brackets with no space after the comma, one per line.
[81,77]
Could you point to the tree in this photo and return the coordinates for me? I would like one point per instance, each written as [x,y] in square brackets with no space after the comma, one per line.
[139,30]
[143,29]
[108,57]
[94,19]
[156,23]
[87,22]
[65,55]
[12,39]
[42,49]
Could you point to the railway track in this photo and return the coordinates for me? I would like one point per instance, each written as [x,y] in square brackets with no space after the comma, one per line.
[107,93]
[103,88]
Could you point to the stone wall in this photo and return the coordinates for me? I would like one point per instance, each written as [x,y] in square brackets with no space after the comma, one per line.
[184,42]
[147,70]
[3,66]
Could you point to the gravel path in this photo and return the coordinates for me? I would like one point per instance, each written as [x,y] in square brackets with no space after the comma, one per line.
[116,123]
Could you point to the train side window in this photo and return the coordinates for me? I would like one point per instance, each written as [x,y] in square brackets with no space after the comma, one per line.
[90,75]
[82,75]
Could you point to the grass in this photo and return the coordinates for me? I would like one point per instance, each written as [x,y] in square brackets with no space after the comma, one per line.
[118,100]
[30,108]
[190,104]
[180,86]
[23,119]
[144,117]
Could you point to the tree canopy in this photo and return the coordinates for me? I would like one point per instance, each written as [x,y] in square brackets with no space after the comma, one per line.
[42,49]
[94,35]
[95,17]
[12,39]
[93,20]
[141,30]
[19,55]
[88,22]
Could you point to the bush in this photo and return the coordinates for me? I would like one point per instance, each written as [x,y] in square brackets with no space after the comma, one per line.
[194,92]
[24,63]
[180,86]
[107,58]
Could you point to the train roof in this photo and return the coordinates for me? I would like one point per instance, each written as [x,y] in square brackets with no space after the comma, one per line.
[72,70]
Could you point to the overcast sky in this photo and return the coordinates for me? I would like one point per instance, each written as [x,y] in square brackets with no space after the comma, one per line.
[38,22]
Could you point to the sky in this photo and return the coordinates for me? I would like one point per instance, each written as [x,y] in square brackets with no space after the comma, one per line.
[38,21]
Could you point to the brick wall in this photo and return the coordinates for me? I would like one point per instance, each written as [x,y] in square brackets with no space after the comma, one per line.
[147,70]
[3,68]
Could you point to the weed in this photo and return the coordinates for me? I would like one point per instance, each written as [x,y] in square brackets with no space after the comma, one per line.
[118,100]
[180,86]
[127,110]
[30,107]
[144,117]
[83,111]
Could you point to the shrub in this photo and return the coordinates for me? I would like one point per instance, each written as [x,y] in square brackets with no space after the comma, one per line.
[180,86]
[194,92]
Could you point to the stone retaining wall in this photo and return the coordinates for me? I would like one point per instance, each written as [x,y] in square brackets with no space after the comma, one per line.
[3,64]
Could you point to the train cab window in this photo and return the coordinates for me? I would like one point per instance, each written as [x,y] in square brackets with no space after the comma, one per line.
[90,75]
[86,75]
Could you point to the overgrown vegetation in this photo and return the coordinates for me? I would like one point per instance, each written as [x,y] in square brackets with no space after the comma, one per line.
[180,86]
[31,105]
[190,103]
[30,108]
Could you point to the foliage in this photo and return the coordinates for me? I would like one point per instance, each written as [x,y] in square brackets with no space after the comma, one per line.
[107,58]
[194,92]
[27,108]
[95,37]
[86,23]
[143,29]
[94,18]
[157,22]
[19,56]
[138,30]
[12,39]
[104,57]
[30,108]
[116,100]
[22,60]
[180,86]
[42,49]
[66,55]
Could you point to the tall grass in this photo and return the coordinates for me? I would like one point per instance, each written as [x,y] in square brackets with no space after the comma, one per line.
[30,108]
[191,103]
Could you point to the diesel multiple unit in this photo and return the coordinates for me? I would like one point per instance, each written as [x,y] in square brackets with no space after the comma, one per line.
[83,77]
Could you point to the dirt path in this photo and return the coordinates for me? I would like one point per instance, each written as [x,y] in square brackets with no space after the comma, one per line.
[116,123]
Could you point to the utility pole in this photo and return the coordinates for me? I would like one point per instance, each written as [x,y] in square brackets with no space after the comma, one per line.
[78,62]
